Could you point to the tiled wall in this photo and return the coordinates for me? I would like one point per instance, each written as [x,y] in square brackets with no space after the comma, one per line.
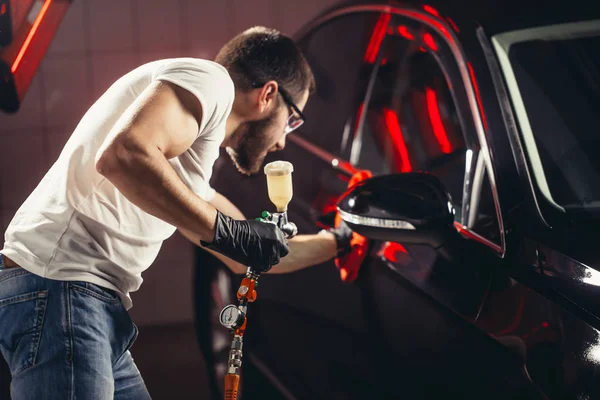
[99,40]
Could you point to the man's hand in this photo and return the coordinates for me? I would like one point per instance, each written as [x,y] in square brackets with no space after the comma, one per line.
[252,243]
[343,236]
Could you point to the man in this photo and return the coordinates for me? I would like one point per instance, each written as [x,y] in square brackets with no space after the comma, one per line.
[136,169]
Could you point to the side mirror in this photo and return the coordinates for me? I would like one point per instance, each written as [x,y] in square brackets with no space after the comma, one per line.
[407,208]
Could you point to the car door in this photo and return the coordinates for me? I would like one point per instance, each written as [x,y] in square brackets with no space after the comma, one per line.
[544,299]
[417,117]
[416,311]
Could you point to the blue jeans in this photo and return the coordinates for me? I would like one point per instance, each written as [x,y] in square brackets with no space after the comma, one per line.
[66,340]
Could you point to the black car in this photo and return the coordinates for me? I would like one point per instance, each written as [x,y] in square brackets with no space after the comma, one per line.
[480,123]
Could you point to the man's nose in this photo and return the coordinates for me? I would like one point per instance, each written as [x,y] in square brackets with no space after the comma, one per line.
[280,145]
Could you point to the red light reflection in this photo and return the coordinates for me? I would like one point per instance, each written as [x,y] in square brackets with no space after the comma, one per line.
[391,121]
[436,121]
[403,31]
[377,38]
[477,94]
[431,10]
[430,42]
[391,249]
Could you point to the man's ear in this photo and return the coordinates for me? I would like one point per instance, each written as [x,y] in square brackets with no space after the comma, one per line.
[267,96]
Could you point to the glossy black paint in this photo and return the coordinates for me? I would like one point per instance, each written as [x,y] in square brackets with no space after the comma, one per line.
[521,324]
[415,199]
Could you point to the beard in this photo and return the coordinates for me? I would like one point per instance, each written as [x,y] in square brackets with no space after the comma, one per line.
[252,147]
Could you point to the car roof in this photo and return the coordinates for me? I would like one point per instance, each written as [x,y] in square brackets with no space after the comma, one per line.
[497,16]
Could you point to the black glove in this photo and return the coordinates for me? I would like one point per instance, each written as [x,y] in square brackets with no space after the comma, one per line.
[256,244]
[343,236]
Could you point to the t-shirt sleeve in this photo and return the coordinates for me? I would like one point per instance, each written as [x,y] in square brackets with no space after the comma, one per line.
[208,82]
[210,194]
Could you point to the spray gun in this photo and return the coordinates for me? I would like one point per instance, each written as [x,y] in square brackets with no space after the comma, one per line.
[279,185]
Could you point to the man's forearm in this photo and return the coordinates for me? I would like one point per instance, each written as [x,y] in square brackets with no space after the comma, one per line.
[145,177]
[306,251]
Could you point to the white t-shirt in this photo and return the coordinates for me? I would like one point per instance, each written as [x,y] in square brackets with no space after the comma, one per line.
[76,225]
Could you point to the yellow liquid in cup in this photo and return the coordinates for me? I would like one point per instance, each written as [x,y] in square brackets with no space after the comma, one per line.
[279,183]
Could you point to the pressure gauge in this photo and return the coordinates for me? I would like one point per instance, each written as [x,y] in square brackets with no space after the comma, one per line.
[232,317]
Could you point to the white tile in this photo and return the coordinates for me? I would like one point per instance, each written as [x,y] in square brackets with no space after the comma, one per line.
[246,14]
[30,112]
[295,14]
[111,24]
[70,35]
[22,166]
[150,56]
[206,26]
[107,67]
[57,137]
[159,24]
[66,89]
[6,215]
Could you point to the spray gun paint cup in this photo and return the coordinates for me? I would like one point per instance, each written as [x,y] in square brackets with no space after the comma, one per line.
[279,183]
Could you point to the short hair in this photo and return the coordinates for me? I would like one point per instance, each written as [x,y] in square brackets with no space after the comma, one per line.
[261,54]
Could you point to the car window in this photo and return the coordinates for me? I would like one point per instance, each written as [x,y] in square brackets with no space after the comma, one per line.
[411,121]
[339,53]
[553,77]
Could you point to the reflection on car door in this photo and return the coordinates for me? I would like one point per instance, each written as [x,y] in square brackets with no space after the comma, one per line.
[412,123]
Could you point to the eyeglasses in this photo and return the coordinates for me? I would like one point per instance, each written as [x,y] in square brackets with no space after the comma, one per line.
[296,119]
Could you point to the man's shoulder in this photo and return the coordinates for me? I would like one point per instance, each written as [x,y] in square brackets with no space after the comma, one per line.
[205,74]
[191,64]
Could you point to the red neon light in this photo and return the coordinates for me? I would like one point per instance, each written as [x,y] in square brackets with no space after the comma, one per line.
[423,49]
[403,31]
[436,121]
[34,28]
[429,41]
[3,9]
[390,31]
[377,38]
[391,120]
[383,61]
[545,324]
[431,10]
[477,95]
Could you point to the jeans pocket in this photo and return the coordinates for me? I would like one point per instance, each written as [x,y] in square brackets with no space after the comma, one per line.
[136,332]
[100,293]
[22,319]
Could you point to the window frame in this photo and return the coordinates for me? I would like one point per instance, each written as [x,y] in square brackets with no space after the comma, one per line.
[467,129]
[305,141]
[467,80]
